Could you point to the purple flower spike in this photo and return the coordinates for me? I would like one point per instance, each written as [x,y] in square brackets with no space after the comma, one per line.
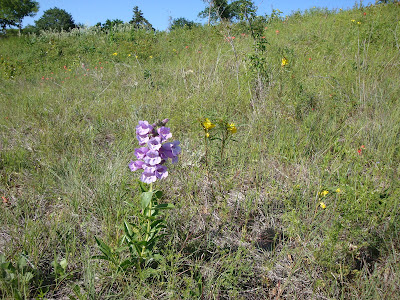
[164,133]
[155,151]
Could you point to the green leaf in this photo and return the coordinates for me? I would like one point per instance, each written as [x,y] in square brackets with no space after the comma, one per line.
[100,257]
[63,264]
[158,194]
[143,187]
[145,199]
[164,206]
[127,230]
[22,263]
[155,223]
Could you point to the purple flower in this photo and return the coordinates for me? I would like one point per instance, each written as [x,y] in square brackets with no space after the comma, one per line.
[136,165]
[170,150]
[152,158]
[164,133]
[161,172]
[143,139]
[140,153]
[143,128]
[148,176]
[154,143]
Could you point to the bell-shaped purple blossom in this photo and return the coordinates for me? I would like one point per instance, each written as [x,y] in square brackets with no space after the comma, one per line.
[143,139]
[152,158]
[161,172]
[143,128]
[164,133]
[154,143]
[140,153]
[170,150]
[136,165]
[148,176]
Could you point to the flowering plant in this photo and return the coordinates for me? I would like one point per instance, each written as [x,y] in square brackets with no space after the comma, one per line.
[140,237]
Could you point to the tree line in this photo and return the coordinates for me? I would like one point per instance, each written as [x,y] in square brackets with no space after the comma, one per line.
[13,11]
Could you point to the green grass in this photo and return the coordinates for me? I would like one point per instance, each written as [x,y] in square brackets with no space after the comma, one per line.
[69,109]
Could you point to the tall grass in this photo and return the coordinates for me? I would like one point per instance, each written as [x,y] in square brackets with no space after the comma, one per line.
[249,228]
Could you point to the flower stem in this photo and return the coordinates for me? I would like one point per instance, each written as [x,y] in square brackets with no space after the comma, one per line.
[147,235]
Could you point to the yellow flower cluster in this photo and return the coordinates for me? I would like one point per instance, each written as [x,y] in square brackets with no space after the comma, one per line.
[208,125]
[231,128]
[285,61]
[324,193]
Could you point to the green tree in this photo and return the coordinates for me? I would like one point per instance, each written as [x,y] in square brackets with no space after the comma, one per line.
[222,10]
[13,11]
[55,19]
[139,21]
[182,23]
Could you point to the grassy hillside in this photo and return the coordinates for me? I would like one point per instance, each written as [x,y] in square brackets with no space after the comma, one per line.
[303,202]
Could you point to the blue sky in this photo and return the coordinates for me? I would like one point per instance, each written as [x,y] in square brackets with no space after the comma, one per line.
[159,12]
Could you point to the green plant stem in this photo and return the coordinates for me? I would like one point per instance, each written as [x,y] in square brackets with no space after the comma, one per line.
[148,222]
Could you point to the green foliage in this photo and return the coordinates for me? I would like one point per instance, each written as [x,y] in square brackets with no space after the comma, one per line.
[139,237]
[15,280]
[250,227]
[13,11]
[182,23]
[139,21]
[55,19]
[222,10]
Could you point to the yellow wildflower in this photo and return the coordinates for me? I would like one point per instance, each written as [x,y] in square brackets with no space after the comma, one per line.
[129,55]
[151,56]
[115,54]
[353,21]
[231,128]
[338,191]
[359,23]
[322,205]
[324,193]
[284,62]
[207,125]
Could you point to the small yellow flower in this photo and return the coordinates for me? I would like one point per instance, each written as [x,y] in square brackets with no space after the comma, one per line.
[129,55]
[353,21]
[359,23]
[207,125]
[136,56]
[338,191]
[207,135]
[151,56]
[284,62]
[231,128]
[324,193]
[322,205]
[115,54]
